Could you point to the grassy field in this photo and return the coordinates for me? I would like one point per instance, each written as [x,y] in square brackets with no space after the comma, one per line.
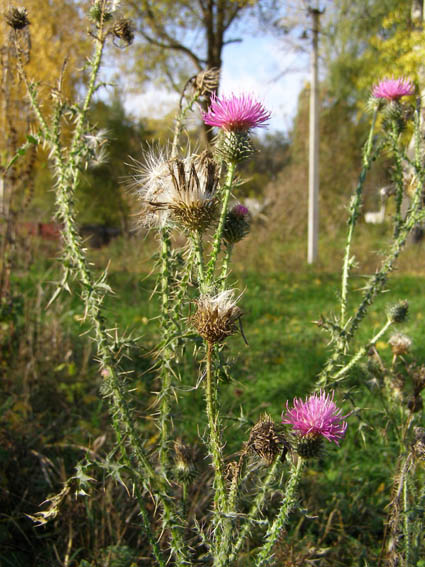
[52,415]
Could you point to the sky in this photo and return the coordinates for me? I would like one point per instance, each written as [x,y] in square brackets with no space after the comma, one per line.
[261,65]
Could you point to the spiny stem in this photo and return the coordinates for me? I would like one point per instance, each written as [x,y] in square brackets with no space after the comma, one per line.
[225,266]
[360,353]
[227,189]
[398,176]
[255,509]
[197,245]
[214,441]
[355,211]
[283,514]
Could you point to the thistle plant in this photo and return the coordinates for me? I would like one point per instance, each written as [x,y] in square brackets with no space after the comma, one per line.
[190,194]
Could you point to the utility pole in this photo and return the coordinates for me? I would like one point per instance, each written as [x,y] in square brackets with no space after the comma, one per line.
[313,164]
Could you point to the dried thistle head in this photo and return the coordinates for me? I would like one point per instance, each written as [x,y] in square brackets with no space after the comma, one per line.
[183,462]
[419,443]
[400,344]
[17,18]
[206,82]
[192,193]
[266,441]
[216,316]
[123,30]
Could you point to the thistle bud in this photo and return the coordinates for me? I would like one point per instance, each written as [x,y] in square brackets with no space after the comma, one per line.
[398,313]
[124,31]
[266,441]
[237,224]
[102,11]
[216,316]
[17,18]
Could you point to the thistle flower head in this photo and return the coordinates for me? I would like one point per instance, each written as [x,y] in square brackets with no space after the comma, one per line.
[316,417]
[17,18]
[236,113]
[216,316]
[393,89]
[400,344]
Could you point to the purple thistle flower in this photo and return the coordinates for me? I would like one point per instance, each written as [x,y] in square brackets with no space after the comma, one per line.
[236,113]
[318,415]
[393,89]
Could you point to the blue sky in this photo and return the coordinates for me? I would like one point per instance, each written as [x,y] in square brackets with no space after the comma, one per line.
[250,66]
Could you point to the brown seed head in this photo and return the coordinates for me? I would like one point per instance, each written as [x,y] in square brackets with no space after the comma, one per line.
[206,81]
[124,30]
[191,192]
[17,18]
[265,440]
[216,316]
[400,344]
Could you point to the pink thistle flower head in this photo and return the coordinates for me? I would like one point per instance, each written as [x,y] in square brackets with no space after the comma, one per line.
[236,113]
[317,416]
[393,89]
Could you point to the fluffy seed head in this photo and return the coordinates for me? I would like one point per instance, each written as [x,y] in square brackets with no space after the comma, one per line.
[236,113]
[400,344]
[17,18]
[216,316]
[265,440]
[393,89]
[317,416]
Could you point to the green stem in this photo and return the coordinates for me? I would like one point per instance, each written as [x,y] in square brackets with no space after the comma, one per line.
[281,519]
[197,244]
[355,212]
[218,234]
[215,443]
[225,266]
[360,353]
[398,176]
[255,510]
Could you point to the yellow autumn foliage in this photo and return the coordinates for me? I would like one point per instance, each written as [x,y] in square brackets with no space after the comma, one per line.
[398,51]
